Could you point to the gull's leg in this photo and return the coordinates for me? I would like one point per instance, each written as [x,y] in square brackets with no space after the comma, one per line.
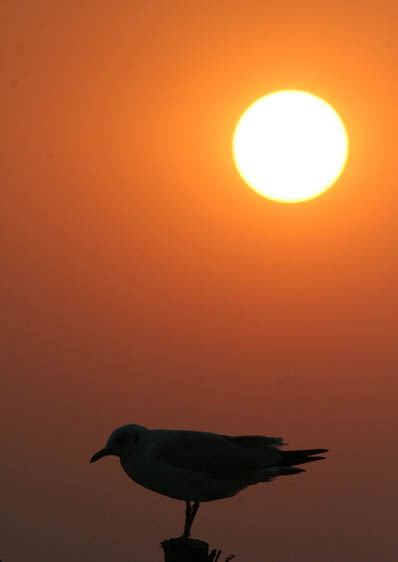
[187,526]
[189,517]
[194,512]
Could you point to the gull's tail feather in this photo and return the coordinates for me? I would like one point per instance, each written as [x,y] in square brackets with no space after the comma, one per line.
[291,458]
[287,470]
[269,474]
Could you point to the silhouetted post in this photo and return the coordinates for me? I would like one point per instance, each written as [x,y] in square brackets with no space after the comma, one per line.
[185,550]
[190,550]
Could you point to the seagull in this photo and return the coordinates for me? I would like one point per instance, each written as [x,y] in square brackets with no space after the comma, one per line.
[199,466]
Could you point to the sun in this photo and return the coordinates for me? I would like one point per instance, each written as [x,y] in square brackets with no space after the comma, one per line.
[290,146]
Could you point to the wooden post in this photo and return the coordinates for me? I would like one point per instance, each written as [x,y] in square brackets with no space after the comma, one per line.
[185,550]
[190,550]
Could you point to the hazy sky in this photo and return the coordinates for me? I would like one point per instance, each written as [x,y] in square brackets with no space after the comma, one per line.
[143,282]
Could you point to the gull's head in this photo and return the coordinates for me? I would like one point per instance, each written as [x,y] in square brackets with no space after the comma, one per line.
[121,441]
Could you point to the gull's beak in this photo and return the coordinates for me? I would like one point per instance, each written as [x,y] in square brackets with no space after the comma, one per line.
[100,454]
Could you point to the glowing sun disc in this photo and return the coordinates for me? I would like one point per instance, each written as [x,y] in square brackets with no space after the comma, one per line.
[290,146]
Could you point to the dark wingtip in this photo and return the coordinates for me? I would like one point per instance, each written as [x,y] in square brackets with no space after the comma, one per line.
[315,451]
[291,458]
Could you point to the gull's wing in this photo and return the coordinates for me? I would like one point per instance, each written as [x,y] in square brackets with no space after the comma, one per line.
[218,456]
[257,441]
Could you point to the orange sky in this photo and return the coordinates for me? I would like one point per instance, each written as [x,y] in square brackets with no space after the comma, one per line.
[144,282]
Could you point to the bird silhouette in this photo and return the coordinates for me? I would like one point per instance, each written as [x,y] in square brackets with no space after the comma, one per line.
[198,466]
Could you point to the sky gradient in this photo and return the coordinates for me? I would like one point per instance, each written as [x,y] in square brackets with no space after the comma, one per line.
[144,282]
